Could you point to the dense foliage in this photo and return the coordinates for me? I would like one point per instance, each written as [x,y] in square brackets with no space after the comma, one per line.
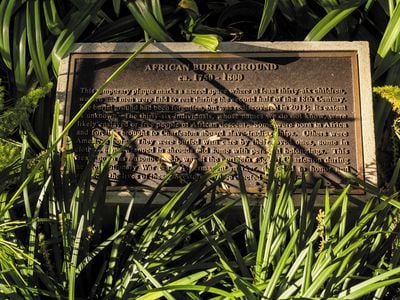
[53,242]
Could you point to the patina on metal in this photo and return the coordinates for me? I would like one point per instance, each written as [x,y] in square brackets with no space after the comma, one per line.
[198,109]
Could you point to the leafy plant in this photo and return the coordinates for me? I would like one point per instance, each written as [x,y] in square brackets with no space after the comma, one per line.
[186,248]
[72,241]
[392,95]
[13,258]
[279,251]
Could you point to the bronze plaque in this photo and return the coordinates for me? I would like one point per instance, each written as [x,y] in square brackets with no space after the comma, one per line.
[197,109]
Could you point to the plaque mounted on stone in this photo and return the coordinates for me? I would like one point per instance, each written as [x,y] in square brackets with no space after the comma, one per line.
[197,108]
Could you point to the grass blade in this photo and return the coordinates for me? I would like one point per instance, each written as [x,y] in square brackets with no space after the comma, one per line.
[34,225]
[19,55]
[333,19]
[371,284]
[343,218]
[100,90]
[237,281]
[156,293]
[35,41]
[391,34]
[143,15]
[320,280]
[7,9]
[149,277]
[251,242]
[266,227]
[267,14]
[76,26]
[24,170]
[100,248]
[53,20]
[117,7]
[307,279]
[157,12]
[233,247]
[74,260]
[283,262]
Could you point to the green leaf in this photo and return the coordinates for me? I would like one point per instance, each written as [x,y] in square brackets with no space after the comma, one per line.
[79,21]
[268,13]
[117,7]
[307,279]
[372,284]
[343,218]
[149,277]
[35,41]
[74,260]
[327,221]
[144,16]
[251,242]
[392,32]
[385,64]
[283,262]
[157,12]
[33,230]
[53,20]
[156,223]
[24,170]
[155,294]
[332,19]
[320,280]
[19,55]
[233,247]
[295,266]
[238,282]
[272,156]
[184,284]
[100,248]
[265,231]
[7,9]
[208,41]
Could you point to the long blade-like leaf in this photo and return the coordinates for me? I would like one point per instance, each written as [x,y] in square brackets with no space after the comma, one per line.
[268,13]
[371,284]
[74,260]
[19,49]
[251,242]
[283,262]
[143,15]
[392,32]
[35,41]
[7,9]
[332,19]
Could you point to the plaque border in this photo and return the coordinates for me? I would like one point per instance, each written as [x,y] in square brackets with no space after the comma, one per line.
[359,52]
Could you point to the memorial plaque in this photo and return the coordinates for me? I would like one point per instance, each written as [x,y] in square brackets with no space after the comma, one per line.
[195,108]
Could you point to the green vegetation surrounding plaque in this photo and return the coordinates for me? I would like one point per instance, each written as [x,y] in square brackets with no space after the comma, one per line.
[54,241]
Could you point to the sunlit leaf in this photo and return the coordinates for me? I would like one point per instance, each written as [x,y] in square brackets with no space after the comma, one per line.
[332,19]
[208,41]
[391,34]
